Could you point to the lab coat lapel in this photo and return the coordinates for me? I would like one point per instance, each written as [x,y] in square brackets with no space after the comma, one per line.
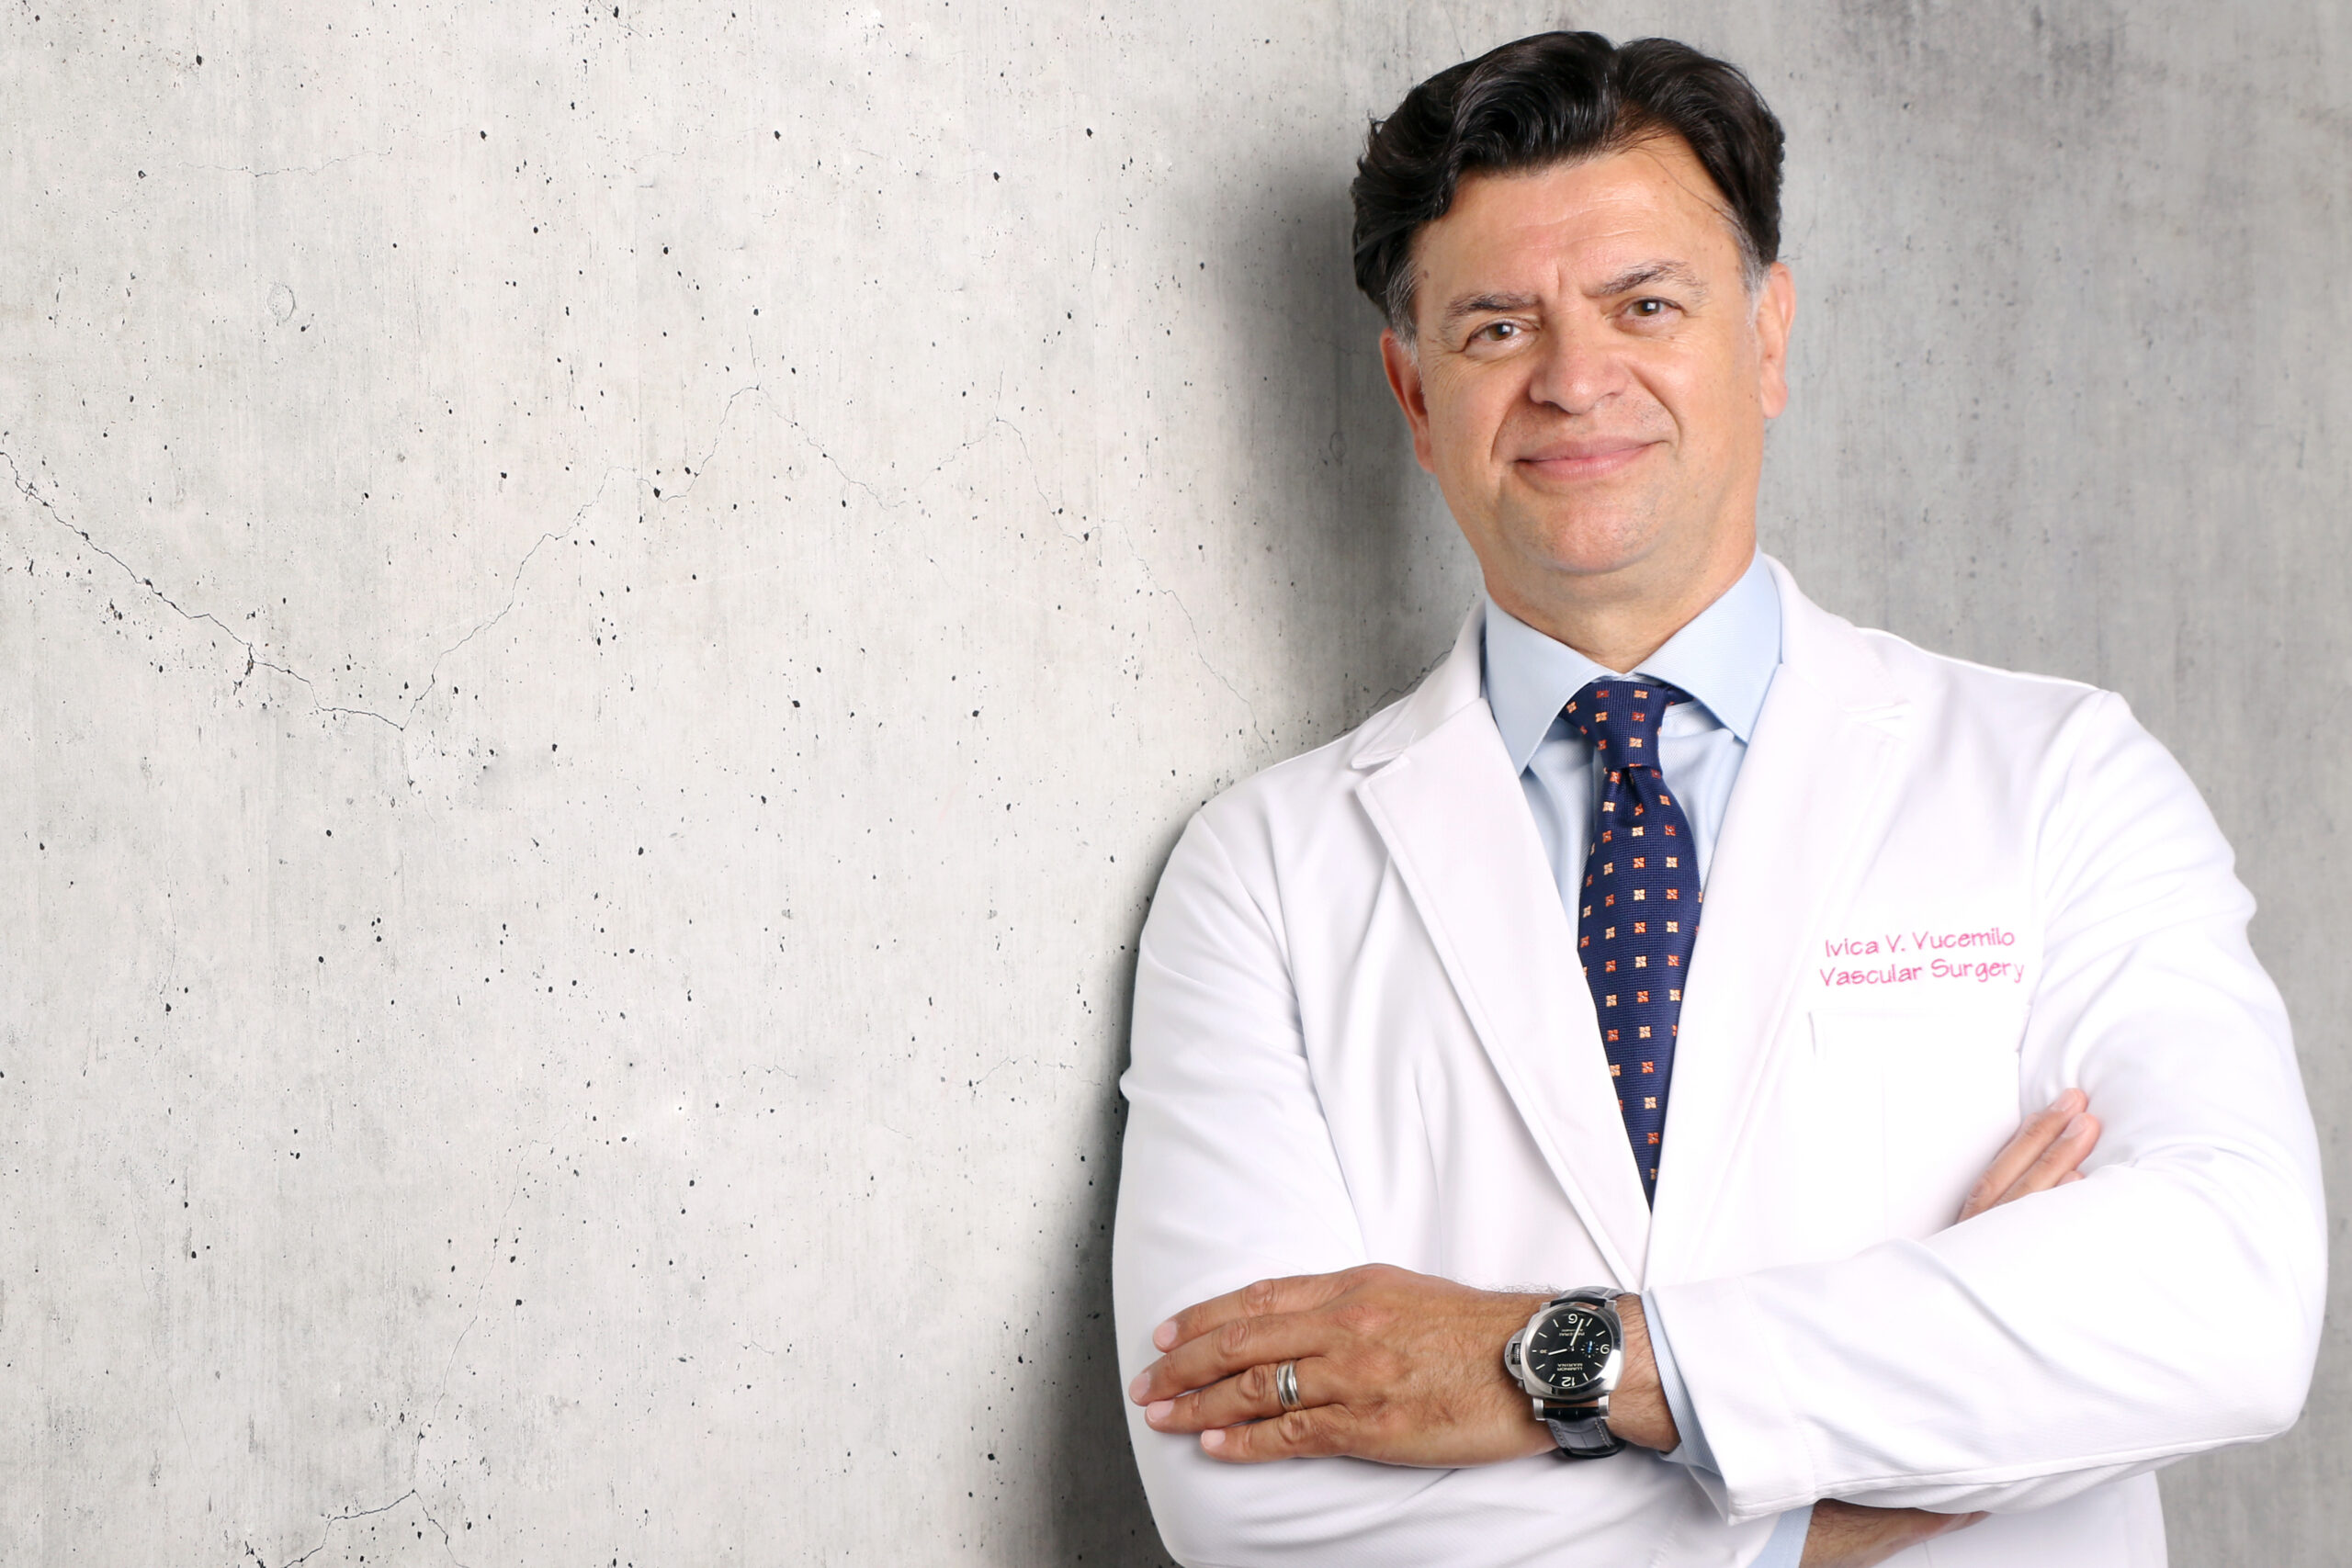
[1457,828]
[1813,793]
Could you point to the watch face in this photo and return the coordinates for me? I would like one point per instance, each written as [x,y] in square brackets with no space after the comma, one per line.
[1570,1349]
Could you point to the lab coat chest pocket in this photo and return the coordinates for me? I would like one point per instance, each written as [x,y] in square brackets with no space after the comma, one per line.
[1921,1099]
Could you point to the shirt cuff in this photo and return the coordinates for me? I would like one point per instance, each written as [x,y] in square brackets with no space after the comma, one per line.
[1786,1549]
[1693,1450]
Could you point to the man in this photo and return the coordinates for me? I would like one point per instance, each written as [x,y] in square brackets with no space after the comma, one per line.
[1677,941]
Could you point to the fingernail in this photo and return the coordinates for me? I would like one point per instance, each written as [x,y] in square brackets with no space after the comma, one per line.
[1214,1438]
[2078,1123]
[1156,1411]
[2071,1176]
[2065,1095]
[1164,1337]
[1136,1389]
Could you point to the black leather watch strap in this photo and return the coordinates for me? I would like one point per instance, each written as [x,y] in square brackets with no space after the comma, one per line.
[1581,1430]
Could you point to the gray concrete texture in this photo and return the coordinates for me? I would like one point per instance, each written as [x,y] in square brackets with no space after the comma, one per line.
[607,613]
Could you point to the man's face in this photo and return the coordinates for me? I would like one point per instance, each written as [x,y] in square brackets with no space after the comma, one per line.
[1591,378]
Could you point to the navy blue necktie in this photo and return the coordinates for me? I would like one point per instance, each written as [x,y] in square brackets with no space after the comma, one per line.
[1639,910]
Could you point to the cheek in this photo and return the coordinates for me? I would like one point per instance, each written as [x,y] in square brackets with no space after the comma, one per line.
[1453,460]
[1465,416]
[1692,408]
[1454,435]
[1713,400]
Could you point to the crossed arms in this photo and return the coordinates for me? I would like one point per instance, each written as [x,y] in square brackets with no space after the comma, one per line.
[1399,1366]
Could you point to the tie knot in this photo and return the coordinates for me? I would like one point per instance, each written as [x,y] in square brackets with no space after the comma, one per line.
[1620,718]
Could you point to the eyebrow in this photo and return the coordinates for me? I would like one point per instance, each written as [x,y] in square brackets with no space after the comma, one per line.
[1642,274]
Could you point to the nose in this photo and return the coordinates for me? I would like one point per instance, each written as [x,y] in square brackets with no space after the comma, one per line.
[1576,369]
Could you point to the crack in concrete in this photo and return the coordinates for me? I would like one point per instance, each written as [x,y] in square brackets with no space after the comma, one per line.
[513,592]
[291,168]
[1200,648]
[1143,565]
[333,1520]
[31,491]
[719,432]
[482,1284]
[1029,461]
[254,661]
[906,493]
[432,1416]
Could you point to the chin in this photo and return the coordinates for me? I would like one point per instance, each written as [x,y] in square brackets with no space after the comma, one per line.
[1590,546]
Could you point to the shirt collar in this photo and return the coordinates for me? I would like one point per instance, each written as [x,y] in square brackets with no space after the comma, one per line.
[1724,657]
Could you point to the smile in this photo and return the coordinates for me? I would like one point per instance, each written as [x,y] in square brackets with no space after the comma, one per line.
[1572,467]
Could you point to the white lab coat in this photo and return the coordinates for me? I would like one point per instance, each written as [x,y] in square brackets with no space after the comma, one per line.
[1361,1035]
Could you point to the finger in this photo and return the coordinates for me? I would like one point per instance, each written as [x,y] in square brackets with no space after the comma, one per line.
[1250,1395]
[2036,1135]
[1237,1344]
[2060,1159]
[1855,1535]
[1296,1293]
[1302,1434]
[2040,1131]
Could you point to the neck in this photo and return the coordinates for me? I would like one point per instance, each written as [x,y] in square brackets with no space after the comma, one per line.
[1618,620]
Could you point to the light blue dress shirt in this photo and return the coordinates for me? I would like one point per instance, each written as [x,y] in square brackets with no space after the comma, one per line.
[1725,658]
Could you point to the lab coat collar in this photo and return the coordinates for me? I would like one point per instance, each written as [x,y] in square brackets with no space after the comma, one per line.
[1443,795]
[1442,692]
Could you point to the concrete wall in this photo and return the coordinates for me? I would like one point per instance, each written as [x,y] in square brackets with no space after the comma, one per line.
[607,613]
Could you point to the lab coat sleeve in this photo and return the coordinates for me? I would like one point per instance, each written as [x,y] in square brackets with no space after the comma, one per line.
[1228,1175]
[2168,1304]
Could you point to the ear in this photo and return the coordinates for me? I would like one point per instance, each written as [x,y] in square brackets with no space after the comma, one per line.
[1405,380]
[1776,312]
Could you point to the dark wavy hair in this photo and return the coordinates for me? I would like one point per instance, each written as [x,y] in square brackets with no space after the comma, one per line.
[1553,98]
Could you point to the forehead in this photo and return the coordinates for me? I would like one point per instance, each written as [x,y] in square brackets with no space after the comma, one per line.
[1570,223]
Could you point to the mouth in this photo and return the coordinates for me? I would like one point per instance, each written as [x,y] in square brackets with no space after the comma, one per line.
[1573,462]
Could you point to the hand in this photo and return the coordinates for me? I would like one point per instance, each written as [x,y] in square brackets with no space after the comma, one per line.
[1849,1534]
[1394,1366]
[2047,1152]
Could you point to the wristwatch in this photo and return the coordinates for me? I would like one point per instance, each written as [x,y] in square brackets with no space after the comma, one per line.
[1568,1358]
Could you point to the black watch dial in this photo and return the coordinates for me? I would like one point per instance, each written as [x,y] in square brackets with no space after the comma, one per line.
[1570,1349]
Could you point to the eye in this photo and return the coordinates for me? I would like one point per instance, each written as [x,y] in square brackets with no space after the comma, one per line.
[1649,310]
[1497,332]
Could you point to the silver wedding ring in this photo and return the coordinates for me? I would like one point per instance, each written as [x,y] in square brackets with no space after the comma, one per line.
[1286,1386]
